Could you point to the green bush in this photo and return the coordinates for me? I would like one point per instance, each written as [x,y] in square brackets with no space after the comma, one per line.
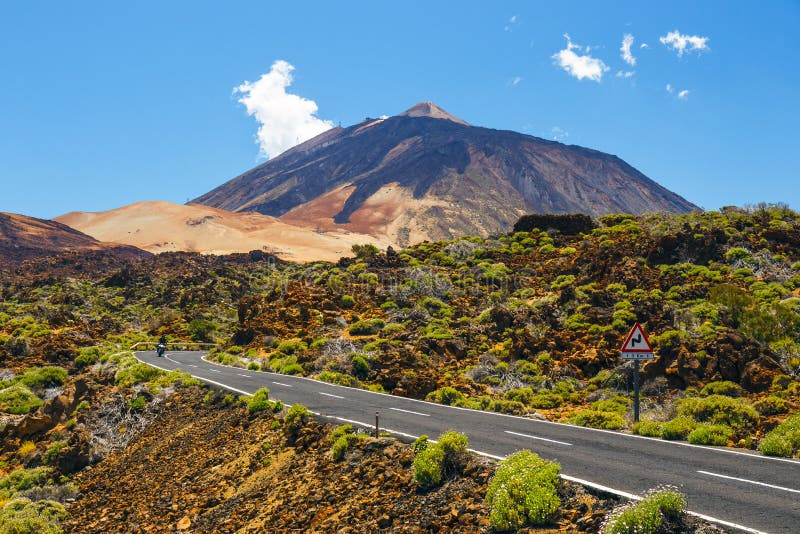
[617,404]
[719,410]
[678,428]
[347,301]
[523,395]
[523,491]
[18,400]
[259,402]
[647,515]
[705,434]
[291,346]
[428,466]
[43,377]
[726,387]
[771,405]
[202,330]
[22,516]
[420,444]
[652,429]
[446,395]
[784,439]
[454,447]
[52,452]
[546,401]
[87,356]
[294,420]
[131,371]
[367,327]
[24,479]
[342,379]
[360,366]
[595,419]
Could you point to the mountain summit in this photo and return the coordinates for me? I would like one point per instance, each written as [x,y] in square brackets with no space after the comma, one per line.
[426,174]
[429,109]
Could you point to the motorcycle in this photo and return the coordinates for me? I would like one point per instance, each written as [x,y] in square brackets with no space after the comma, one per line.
[161,348]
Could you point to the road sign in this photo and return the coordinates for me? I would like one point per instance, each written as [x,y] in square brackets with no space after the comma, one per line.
[637,342]
[638,356]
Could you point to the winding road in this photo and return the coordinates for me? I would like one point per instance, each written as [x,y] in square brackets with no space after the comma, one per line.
[738,490]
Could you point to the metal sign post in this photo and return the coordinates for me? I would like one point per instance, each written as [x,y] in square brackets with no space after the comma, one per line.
[636,347]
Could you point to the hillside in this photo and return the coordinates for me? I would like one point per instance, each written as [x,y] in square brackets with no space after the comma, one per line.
[23,238]
[528,323]
[427,175]
[166,227]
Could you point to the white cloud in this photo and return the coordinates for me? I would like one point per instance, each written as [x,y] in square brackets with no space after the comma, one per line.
[683,95]
[684,43]
[511,23]
[644,45]
[515,80]
[669,88]
[284,119]
[579,66]
[627,42]
[558,134]
[625,74]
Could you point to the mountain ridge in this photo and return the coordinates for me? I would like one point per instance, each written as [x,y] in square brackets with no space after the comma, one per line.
[459,179]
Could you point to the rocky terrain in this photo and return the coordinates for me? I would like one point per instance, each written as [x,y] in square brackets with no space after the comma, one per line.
[527,323]
[23,237]
[427,175]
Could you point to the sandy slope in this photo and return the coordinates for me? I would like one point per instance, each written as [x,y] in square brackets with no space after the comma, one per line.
[163,227]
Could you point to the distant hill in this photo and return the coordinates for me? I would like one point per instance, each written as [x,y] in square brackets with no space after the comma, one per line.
[23,238]
[425,174]
[167,227]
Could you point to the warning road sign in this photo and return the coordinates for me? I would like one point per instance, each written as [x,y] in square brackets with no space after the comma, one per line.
[637,346]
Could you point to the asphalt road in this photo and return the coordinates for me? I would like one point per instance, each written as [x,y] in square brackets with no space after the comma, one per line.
[738,489]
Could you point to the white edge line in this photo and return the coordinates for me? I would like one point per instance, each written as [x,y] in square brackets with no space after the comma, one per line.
[537,437]
[600,487]
[331,395]
[409,411]
[620,434]
[282,384]
[756,482]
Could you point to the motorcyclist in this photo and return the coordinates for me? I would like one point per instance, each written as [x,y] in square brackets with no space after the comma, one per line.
[163,341]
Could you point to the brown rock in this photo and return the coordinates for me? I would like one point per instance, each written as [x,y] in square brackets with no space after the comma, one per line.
[184,523]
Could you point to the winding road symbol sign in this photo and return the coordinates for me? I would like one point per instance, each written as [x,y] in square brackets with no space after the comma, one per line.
[637,346]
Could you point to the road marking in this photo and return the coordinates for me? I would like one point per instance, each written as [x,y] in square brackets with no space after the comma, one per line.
[215,370]
[481,453]
[192,365]
[537,437]
[409,411]
[750,481]
[282,384]
[244,375]
[329,395]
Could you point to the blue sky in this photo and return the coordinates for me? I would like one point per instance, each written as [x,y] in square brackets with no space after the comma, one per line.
[107,103]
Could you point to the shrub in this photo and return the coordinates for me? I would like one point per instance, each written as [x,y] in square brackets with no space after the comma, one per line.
[22,516]
[726,387]
[420,444]
[24,479]
[446,395]
[201,330]
[647,515]
[771,405]
[347,301]
[87,356]
[428,467]
[52,452]
[291,346]
[719,410]
[26,448]
[652,429]
[338,378]
[678,428]
[19,400]
[523,395]
[705,434]
[131,371]
[259,402]
[784,439]
[595,419]
[617,404]
[522,491]
[294,420]
[546,401]
[43,377]
[454,447]
[360,366]
[367,327]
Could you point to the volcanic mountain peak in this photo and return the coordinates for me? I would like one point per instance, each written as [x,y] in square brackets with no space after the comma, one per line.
[429,109]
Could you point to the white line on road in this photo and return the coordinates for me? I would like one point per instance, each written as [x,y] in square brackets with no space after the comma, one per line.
[537,437]
[215,370]
[750,481]
[192,365]
[329,395]
[244,375]
[409,411]
[282,384]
